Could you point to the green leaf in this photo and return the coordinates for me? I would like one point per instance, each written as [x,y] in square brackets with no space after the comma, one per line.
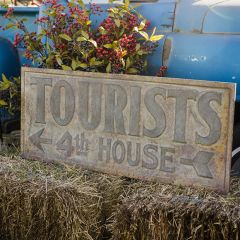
[102,30]
[94,62]
[88,22]
[154,30]
[140,52]
[142,25]
[66,68]
[9,25]
[118,2]
[138,47]
[145,64]
[5,80]
[3,103]
[109,45]
[132,70]
[144,34]
[123,62]
[24,20]
[127,2]
[74,64]
[128,63]
[65,36]
[82,65]
[81,39]
[109,68]
[81,3]
[48,46]
[156,38]
[117,22]
[59,60]
[5,84]
[124,53]
[17,80]
[85,34]
[93,42]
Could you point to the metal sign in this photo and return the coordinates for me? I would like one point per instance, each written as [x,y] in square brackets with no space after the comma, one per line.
[170,130]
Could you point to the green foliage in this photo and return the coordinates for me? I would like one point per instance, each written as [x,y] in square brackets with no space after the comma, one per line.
[67,40]
[10,94]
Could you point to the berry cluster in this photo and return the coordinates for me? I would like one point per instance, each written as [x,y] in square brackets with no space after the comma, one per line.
[128,42]
[17,40]
[103,39]
[42,19]
[149,47]
[52,2]
[132,21]
[28,54]
[147,24]
[162,71]
[109,25]
[95,9]
[9,12]
[103,53]
[75,10]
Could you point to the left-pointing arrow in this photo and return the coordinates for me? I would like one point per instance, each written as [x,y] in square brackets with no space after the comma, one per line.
[37,141]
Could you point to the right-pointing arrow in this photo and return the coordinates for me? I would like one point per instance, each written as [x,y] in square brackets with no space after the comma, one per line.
[200,163]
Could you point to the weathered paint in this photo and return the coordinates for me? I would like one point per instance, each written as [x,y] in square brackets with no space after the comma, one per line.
[203,56]
[164,129]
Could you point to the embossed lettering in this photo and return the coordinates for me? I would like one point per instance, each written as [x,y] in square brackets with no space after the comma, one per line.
[118,151]
[210,116]
[69,105]
[104,148]
[156,111]
[115,102]
[40,106]
[131,161]
[65,143]
[167,158]
[182,97]
[150,151]
[90,104]
[135,110]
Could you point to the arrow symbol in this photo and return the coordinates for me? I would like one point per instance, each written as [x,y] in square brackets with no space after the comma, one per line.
[200,163]
[37,141]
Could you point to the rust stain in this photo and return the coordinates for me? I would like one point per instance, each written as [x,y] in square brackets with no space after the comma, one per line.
[166,51]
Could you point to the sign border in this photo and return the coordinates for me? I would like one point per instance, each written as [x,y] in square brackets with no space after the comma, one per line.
[151,79]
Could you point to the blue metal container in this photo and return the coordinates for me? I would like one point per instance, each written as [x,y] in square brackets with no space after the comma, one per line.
[9,65]
[9,60]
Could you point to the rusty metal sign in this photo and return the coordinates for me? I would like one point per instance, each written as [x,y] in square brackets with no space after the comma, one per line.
[170,130]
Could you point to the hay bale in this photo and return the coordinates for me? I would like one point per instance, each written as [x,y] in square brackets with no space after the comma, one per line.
[42,201]
[53,201]
[157,211]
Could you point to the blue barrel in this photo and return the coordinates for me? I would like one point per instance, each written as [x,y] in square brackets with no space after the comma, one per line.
[9,65]
[9,60]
